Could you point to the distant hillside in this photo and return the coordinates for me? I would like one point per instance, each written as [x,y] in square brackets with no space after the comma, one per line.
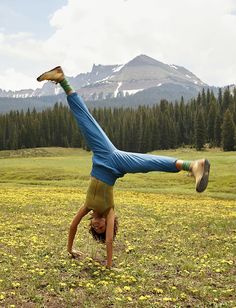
[39,103]
[149,97]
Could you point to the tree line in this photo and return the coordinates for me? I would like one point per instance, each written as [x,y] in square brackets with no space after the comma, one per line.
[206,120]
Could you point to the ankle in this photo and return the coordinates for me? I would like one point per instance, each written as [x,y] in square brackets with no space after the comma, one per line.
[70,92]
[184,165]
[66,86]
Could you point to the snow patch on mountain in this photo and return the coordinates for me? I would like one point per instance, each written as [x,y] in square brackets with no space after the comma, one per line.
[102,80]
[117,89]
[131,92]
[118,68]
[173,66]
[57,90]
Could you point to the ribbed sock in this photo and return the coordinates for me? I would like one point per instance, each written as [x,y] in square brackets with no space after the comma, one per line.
[186,165]
[66,86]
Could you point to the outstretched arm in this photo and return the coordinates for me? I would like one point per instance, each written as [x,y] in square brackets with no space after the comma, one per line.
[73,227]
[109,236]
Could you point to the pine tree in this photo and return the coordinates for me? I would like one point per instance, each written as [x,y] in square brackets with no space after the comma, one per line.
[211,123]
[156,138]
[228,131]
[227,99]
[200,131]
[203,100]
[220,99]
[217,130]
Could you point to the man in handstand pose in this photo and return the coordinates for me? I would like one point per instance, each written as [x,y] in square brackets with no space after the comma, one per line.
[109,163]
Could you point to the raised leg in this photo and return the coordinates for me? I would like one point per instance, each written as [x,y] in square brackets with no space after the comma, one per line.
[96,138]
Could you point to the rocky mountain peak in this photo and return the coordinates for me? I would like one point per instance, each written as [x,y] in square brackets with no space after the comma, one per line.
[142,60]
[111,81]
[99,68]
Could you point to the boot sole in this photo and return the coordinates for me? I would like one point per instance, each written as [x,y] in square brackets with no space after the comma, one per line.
[43,76]
[203,182]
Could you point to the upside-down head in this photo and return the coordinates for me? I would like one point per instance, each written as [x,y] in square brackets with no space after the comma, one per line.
[97,228]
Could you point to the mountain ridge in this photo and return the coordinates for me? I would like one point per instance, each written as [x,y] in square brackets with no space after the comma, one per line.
[141,81]
[141,72]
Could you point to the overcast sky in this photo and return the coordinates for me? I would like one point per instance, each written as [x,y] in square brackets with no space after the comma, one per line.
[38,35]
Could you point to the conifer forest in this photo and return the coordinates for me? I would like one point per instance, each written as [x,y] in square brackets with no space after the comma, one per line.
[208,120]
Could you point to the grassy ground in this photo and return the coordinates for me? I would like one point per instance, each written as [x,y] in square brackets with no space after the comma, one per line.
[175,248]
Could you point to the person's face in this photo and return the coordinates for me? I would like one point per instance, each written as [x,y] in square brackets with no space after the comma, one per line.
[99,225]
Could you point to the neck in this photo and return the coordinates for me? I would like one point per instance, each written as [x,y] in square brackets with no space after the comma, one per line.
[97,215]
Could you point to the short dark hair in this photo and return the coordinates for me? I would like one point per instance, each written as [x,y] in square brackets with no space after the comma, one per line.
[101,237]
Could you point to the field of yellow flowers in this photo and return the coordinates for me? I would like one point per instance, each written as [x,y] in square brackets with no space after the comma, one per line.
[174,248]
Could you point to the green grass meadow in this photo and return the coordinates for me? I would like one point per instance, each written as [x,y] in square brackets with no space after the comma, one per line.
[174,248]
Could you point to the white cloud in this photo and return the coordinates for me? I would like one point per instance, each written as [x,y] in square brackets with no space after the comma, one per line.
[22,58]
[18,80]
[197,34]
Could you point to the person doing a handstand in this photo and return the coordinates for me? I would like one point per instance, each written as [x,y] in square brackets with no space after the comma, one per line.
[109,164]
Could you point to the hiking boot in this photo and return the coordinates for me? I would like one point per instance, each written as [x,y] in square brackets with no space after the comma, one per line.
[200,170]
[56,75]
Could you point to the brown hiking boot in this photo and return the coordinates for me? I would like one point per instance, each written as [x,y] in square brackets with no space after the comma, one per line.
[200,170]
[56,75]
